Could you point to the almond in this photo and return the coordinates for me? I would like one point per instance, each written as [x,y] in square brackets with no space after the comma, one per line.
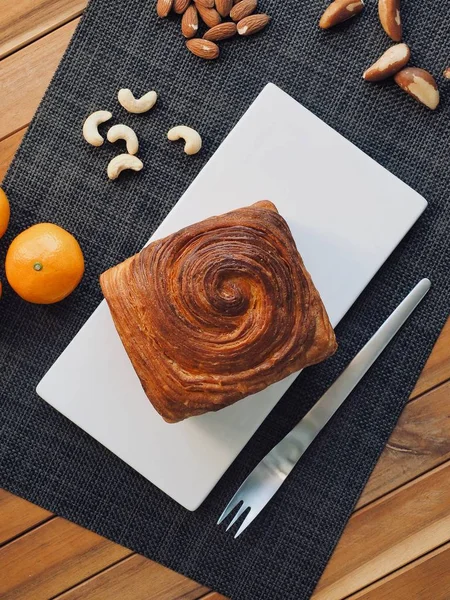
[163,7]
[209,16]
[189,22]
[179,6]
[221,32]
[389,63]
[252,24]
[339,11]
[446,73]
[389,13]
[203,48]
[243,9]
[205,3]
[419,84]
[223,7]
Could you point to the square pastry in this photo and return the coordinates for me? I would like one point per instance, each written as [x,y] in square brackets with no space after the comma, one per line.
[218,311]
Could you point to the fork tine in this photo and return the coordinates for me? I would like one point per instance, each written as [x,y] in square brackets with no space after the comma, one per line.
[250,516]
[235,500]
[242,509]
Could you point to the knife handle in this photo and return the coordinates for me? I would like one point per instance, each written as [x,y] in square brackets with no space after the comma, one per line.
[293,446]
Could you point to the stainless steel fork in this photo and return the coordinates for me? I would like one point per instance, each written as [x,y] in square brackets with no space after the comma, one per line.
[267,477]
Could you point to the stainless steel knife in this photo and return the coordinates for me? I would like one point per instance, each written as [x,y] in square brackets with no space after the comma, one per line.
[267,477]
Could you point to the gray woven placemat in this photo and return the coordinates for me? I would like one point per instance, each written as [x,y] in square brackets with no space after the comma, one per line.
[56,176]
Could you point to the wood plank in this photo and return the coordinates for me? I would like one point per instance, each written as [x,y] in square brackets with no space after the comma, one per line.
[24,21]
[420,442]
[416,414]
[426,579]
[437,369]
[52,558]
[25,75]
[17,516]
[428,418]
[214,596]
[389,533]
[136,578]
[8,148]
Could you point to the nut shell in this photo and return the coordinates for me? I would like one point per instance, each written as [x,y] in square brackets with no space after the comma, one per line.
[209,16]
[390,19]
[203,48]
[243,9]
[340,11]
[189,22]
[419,84]
[163,8]
[224,7]
[205,3]
[221,32]
[252,24]
[389,63]
[179,6]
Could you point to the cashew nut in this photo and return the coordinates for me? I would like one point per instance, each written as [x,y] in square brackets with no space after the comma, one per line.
[136,105]
[121,162]
[190,136]
[90,127]
[123,132]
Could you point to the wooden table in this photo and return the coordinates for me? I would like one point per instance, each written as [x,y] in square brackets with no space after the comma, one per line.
[397,543]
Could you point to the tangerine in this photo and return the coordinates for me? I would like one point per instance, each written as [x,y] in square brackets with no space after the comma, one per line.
[4,213]
[44,264]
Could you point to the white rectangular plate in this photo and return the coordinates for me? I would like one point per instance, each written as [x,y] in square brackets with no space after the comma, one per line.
[347,214]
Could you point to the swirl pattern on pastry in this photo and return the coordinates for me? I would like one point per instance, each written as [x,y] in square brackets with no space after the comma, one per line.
[218,311]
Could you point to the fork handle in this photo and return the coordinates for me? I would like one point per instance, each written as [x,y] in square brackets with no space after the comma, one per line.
[288,451]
